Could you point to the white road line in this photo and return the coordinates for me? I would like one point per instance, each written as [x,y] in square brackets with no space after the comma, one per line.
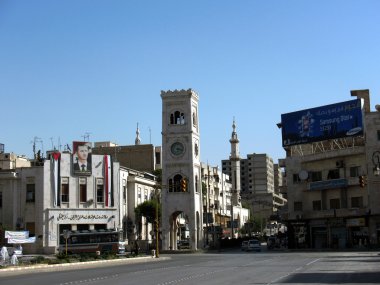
[311,262]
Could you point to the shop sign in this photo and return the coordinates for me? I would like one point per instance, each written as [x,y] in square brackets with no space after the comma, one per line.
[358,222]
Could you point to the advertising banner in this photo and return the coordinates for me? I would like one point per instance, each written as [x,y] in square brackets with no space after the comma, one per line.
[333,121]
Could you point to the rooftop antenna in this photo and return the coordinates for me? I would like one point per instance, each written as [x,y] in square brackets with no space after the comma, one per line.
[35,141]
[86,136]
[59,144]
[52,144]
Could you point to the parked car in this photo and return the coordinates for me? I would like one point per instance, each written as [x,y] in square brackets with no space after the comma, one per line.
[254,245]
[183,244]
[244,245]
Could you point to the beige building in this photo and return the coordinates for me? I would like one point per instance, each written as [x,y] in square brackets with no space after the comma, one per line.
[217,201]
[13,161]
[327,206]
[260,185]
[141,157]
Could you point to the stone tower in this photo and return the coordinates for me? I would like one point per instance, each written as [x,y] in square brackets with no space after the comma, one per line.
[181,168]
[235,167]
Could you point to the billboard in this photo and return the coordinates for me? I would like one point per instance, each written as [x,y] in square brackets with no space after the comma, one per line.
[333,121]
[82,159]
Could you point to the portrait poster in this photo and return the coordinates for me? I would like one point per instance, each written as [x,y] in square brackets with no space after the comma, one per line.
[82,158]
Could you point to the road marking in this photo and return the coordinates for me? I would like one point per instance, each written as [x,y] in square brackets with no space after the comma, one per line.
[295,270]
[90,280]
[311,262]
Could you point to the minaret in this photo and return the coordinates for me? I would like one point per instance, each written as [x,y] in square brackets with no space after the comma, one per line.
[137,140]
[235,167]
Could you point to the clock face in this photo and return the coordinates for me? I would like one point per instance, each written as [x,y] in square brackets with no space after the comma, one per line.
[177,148]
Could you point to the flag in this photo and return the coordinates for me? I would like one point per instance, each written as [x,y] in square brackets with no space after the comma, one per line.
[108,180]
[55,170]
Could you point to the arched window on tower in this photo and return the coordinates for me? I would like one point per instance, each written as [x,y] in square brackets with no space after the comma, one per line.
[196,183]
[194,119]
[177,118]
[175,183]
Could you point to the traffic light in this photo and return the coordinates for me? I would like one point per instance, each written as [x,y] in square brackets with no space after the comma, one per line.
[362,181]
[183,185]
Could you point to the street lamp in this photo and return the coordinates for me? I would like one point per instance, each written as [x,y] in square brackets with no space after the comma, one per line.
[376,163]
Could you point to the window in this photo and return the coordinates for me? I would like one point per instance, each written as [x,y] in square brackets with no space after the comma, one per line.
[138,195]
[296,178]
[333,174]
[1,199]
[297,206]
[65,190]
[317,205]
[30,192]
[82,190]
[194,119]
[378,135]
[31,227]
[175,183]
[315,176]
[334,204]
[196,183]
[99,191]
[354,171]
[177,118]
[356,202]
[124,191]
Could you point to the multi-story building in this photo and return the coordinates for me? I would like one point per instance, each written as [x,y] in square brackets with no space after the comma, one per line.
[329,206]
[259,185]
[217,202]
[53,196]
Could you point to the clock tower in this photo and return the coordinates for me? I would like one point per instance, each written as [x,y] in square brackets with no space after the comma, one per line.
[181,169]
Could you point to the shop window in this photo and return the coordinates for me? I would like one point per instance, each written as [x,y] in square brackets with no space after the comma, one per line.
[334,204]
[317,205]
[30,192]
[356,202]
[297,206]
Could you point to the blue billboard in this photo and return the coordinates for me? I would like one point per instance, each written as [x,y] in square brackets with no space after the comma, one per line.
[333,121]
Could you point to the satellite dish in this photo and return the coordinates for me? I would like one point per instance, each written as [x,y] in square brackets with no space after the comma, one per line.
[303,175]
[377,108]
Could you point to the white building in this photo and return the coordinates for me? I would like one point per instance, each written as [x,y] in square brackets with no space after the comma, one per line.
[53,197]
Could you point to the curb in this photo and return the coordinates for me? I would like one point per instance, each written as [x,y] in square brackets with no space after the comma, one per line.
[68,266]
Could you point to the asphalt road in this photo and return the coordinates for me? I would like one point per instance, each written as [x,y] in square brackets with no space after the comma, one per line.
[220,268]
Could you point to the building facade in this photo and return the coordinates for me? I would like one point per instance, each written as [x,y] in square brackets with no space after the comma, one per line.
[332,188]
[53,197]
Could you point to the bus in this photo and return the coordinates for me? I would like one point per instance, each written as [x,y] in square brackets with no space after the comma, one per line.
[91,241]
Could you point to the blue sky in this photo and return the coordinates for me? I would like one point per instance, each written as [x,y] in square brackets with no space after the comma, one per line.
[68,68]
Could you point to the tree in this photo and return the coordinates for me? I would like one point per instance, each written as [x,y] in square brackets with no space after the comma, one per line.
[148,210]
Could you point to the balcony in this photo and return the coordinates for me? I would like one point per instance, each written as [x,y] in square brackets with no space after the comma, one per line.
[328,184]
